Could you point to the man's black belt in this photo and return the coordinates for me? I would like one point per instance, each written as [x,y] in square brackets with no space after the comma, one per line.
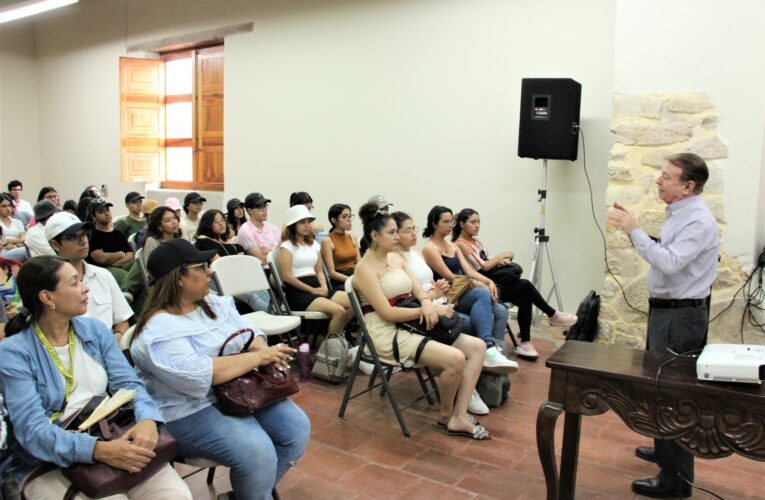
[676,303]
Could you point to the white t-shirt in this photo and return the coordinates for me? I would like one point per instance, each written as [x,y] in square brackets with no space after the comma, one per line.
[36,242]
[304,258]
[90,378]
[420,269]
[12,231]
[189,228]
[105,300]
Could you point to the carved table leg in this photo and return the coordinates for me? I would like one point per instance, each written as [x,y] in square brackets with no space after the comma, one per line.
[546,418]
[570,455]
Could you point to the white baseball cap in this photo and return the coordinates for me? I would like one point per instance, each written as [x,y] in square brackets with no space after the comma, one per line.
[64,223]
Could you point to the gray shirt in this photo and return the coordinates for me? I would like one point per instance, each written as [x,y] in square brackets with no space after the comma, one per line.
[684,263]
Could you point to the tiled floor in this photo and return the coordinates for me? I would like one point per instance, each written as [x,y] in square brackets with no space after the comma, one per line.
[364,455]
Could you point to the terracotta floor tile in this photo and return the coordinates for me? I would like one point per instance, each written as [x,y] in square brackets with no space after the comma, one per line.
[393,450]
[328,461]
[343,435]
[317,488]
[376,481]
[441,467]
[426,489]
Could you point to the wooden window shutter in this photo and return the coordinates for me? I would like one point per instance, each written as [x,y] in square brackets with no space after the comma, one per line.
[142,120]
[209,122]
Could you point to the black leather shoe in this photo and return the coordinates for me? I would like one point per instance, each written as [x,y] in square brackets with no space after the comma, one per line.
[657,488]
[646,453]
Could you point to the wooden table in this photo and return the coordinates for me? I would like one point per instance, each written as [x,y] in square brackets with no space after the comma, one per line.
[709,419]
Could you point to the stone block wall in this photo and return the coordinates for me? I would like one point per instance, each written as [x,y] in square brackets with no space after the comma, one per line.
[647,128]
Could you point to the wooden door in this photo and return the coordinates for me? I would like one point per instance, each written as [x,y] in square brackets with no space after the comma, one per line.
[209,119]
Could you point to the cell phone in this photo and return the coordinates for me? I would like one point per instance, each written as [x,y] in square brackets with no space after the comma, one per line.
[82,415]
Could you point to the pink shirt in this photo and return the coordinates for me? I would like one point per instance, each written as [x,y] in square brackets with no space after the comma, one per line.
[250,236]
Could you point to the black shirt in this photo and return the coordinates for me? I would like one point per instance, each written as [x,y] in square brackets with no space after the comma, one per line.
[223,249]
[108,241]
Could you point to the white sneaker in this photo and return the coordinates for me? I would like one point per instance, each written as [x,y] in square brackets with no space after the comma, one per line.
[526,350]
[476,405]
[562,319]
[496,362]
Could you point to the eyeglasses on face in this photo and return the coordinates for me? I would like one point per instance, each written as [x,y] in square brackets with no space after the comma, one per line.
[408,230]
[219,221]
[77,237]
[449,222]
[347,216]
[204,266]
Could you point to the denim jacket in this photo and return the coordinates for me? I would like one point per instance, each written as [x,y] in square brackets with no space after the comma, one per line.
[33,391]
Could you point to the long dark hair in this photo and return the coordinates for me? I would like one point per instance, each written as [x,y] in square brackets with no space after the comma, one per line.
[37,274]
[90,192]
[205,227]
[83,208]
[373,219]
[300,198]
[462,216]
[433,217]
[334,213]
[233,222]
[400,217]
[45,190]
[154,225]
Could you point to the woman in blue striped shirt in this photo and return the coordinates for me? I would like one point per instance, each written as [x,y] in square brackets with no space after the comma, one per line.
[178,337]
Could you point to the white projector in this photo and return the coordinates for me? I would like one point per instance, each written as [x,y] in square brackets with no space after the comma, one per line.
[732,363]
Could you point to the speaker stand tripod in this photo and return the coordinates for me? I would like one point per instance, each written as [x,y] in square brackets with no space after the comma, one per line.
[542,248]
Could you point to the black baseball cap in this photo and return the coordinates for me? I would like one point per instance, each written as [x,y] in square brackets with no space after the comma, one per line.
[193,197]
[98,205]
[233,203]
[174,253]
[133,196]
[255,200]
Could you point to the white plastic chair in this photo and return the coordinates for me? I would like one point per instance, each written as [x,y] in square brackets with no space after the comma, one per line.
[242,274]
[276,274]
[131,241]
[142,268]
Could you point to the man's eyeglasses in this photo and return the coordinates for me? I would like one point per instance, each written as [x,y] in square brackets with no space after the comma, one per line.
[409,230]
[77,237]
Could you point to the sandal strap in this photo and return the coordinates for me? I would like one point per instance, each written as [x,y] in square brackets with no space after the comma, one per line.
[480,432]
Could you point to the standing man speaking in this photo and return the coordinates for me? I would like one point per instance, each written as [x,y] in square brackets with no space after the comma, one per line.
[683,267]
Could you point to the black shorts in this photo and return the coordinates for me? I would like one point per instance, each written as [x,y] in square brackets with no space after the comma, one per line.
[299,300]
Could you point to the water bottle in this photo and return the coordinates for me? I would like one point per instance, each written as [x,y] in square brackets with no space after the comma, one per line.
[304,362]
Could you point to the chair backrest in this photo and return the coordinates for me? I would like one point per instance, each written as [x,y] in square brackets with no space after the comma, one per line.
[276,276]
[326,273]
[127,338]
[133,244]
[239,274]
[142,268]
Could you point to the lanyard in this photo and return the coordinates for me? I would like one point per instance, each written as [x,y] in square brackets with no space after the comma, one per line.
[67,373]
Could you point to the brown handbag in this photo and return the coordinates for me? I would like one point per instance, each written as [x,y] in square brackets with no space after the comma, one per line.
[98,480]
[254,390]
[460,285]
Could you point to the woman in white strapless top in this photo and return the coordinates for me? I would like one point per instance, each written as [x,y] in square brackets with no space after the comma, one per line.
[381,275]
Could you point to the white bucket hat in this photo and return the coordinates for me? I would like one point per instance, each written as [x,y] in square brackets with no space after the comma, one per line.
[298,213]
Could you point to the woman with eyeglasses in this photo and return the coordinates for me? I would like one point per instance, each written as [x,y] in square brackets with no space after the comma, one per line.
[383,276]
[46,193]
[305,285]
[518,291]
[213,234]
[176,351]
[488,317]
[12,231]
[53,362]
[340,251]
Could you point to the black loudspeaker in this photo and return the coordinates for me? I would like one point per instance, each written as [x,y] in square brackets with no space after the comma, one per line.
[549,118]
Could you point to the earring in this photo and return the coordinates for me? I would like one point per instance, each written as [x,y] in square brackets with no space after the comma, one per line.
[53,307]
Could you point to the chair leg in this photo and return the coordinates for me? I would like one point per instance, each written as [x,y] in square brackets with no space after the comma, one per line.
[512,335]
[433,384]
[351,379]
[275,494]
[387,373]
[211,475]
[423,386]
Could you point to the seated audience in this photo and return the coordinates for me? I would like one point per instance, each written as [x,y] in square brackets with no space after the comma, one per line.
[163,226]
[212,234]
[235,215]
[305,285]
[35,240]
[108,248]
[134,220]
[54,356]
[175,205]
[46,193]
[23,209]
[69,239]
[12,231]
[489,318]
[258,237]
[91,191]
[383,275]
[9,292]
[303,198]
[340,252]
[383,205]
[70,206]
[518,291]
[148,208]
[83,209]
[176,347]
[192,206]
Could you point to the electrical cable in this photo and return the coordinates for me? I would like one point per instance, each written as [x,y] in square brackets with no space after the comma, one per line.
[687,354]
[597,224]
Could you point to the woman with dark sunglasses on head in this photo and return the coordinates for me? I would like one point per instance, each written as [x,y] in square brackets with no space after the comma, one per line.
[176,349]
[340,251]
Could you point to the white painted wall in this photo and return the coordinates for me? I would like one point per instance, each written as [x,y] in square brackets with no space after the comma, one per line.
[713,47]
[19,139]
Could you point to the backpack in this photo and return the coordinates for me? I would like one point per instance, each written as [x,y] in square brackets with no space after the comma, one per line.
[494,388]
[331,360]
[586,326]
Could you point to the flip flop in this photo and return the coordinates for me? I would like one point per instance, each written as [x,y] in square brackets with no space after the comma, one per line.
[479,433]
[470,419]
